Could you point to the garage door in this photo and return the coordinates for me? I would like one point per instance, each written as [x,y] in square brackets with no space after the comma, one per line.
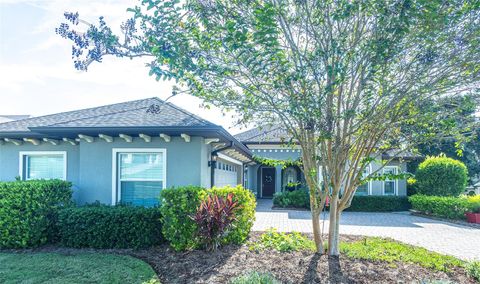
[226,174]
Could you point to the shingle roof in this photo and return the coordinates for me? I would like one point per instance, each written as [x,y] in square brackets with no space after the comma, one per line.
[128,114]
[264,134]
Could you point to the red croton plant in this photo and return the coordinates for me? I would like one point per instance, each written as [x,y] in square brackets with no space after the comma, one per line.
[214,218]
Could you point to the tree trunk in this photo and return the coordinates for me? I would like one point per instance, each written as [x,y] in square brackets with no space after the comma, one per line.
[334,228]
[317,233]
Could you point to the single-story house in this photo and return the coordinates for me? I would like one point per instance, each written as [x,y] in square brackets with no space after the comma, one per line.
[270,142]
[123,152]
[130,151]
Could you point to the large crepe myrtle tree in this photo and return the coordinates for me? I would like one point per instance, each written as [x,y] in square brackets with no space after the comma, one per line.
[346,79]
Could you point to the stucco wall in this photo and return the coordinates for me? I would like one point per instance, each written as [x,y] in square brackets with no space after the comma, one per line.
[89,165]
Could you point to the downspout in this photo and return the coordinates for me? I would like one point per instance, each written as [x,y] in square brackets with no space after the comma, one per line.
[213,162]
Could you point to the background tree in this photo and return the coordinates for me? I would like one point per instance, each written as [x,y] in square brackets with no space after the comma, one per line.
[345,78]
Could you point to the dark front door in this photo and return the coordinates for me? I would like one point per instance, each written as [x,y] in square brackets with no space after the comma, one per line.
[268,182]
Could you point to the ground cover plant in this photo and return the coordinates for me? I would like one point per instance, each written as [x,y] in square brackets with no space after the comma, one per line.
[283,242]
[255,277]
[74,267]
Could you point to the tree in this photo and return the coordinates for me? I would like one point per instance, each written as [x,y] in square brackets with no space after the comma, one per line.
[345,78]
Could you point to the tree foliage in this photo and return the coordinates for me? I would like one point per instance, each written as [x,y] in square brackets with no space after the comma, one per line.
[346,78]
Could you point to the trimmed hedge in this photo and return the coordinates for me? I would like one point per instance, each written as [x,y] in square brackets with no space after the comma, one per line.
[299,198]
[441,176]
[29,211]
[180,204]
[103,226]
[441,206]
[373,203]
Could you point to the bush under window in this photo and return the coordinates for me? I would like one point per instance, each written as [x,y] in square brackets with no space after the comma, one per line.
[29,211]
[441,176]
[102,226]
[374,203]
[299,198]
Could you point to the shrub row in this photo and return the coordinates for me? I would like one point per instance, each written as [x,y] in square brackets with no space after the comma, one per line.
[180,204]
[300,199]
[29,211]
[443,206]
[373,203]
[103,226]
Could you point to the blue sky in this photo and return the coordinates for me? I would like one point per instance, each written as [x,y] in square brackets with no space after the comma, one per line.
[36,70]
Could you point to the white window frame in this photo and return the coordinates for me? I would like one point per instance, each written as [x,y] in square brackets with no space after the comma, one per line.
[369,183]
[395,168]
[22,154]
[116,181]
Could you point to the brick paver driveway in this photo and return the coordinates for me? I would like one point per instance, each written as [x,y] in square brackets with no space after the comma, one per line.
[460,241]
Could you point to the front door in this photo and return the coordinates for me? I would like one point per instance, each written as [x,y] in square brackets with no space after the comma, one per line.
[268,182]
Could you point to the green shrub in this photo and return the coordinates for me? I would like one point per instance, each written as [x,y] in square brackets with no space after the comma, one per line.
[473,270]
[299,198]
[441,176]
[441,206]
[474,203]
[179,205]
[245,215]
[373,203]
[283,242]
[29,211]
[105,226]
[255,277]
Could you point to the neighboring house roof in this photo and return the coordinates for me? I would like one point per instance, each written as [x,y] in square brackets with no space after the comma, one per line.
[7,118]
[148,116]
[269,134]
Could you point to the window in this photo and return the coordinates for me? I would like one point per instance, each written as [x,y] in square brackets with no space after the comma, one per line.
[390,186]
[364,188]
[43,165]
[141,175]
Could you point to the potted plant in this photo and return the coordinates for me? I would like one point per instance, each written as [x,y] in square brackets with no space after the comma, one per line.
[474,215]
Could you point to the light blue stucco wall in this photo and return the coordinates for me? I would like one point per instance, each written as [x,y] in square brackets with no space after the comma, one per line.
[89,165]
[253,182]
[10,160]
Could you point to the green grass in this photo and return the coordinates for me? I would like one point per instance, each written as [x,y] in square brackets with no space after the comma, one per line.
[73,268]
[473,269]
[255,278]
[377,249]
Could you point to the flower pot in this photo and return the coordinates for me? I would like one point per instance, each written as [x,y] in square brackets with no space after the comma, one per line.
[473,217]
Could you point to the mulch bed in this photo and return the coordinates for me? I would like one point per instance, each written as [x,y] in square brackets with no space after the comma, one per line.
[292,267]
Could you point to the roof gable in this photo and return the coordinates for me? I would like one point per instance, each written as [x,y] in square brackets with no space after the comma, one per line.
[146,112]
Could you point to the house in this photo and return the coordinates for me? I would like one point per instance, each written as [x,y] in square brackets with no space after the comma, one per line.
[123,152]
[270,142]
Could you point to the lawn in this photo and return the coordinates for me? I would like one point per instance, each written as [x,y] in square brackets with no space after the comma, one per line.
[73,268]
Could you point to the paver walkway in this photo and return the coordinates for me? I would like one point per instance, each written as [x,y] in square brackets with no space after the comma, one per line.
[447,238]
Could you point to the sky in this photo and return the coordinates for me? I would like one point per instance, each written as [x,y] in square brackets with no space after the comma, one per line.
[37,76]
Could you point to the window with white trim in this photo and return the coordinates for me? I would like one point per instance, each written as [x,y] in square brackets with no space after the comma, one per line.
[390,185]
[43,165]
[141,177]
[364,188]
